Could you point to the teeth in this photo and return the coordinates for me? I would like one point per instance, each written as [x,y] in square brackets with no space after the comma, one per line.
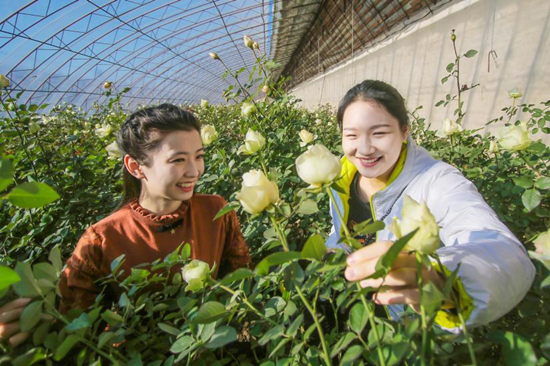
[369,160]
[185,185]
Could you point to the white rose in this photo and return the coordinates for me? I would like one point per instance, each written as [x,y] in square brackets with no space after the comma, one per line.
[248,109]
[265,89]
[306,137]
[253,142]
[514,138]
[214,56]
[248,42]
[107,85]
[4,81]
[113,151]
[208,134]
[542,249]
[318,121]
[515,93]
[195,270]
[104,130]
[318,166]
[450,127]
[204,103]
[257,192]
[417,216]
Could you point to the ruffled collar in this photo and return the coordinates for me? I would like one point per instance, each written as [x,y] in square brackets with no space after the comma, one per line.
[160,219]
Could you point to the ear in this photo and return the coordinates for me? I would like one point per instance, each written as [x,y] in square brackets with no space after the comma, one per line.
[133,167]
[406,132]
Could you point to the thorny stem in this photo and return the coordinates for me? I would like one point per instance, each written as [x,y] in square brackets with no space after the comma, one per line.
[280,233]
[317,325]
[457,76]
[459,312]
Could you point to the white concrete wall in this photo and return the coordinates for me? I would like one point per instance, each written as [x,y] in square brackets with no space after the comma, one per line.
[414,61]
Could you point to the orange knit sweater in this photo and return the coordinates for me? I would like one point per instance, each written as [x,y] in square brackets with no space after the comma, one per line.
[144,237]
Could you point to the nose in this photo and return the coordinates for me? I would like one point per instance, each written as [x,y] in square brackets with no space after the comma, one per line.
[365,146]
[192,170]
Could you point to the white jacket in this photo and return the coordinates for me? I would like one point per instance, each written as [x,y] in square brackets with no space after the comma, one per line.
[495,271]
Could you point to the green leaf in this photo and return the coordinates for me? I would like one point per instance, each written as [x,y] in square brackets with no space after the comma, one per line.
[104,338]
[6,173]
[293,328]
[308,207]
[444,80]
[65,347]
[545,283]
[342,343]
[30,358]
[314,248]
[524,182]
[82,322]
[358,318]
[231,206]
[8,277]
[55,259]
[209,311]
[367,227]
[44,271]
[470,53]
[516,350]
[237,275]
[450,67]
[273,333]
[537,147]
[351,355]
[223,335]
[31,315]
[543,183]
[383,266]
[27,287]
[111,318]
[275,259]
[531,199]
[432,297]
[169,329]
[32,194]
[182,344]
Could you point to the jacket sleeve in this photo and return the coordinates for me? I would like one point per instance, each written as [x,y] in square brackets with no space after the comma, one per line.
[235,254]
[334,235]
[76,284]
[495,272]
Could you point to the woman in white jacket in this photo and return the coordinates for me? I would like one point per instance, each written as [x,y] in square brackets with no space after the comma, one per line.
[381,165]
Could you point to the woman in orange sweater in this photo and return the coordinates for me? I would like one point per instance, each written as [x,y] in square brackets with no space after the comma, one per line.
[163,160]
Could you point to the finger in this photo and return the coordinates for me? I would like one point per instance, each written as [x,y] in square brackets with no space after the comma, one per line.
[361,270]
[408,296]
[369,252]
[19,303]
[19,338]
[400,277]
[7,330]
[11,316]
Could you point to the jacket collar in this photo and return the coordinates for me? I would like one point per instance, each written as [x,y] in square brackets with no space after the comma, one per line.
[412,160]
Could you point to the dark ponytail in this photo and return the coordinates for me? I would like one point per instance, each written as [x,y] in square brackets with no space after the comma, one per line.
[379,92]
[142,133]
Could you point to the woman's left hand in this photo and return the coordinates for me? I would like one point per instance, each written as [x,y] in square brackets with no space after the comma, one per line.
[400,286]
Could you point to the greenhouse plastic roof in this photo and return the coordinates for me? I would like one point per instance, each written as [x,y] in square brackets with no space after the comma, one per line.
[65,50]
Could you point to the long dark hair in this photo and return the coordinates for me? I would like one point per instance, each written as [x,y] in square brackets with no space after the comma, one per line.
[379,92]
[142,132]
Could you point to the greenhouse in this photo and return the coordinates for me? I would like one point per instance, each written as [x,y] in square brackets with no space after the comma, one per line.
[275,182]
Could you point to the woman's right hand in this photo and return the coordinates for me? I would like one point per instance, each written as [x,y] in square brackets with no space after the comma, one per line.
[10,329]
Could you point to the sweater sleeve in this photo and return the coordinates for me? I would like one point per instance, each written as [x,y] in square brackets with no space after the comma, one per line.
[495,272]
[77,287]
[235,254]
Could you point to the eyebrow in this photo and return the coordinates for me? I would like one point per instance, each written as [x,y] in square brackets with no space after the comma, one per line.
[186,152]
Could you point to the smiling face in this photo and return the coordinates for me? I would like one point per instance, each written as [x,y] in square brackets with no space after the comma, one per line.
[372,139]
[172,171]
